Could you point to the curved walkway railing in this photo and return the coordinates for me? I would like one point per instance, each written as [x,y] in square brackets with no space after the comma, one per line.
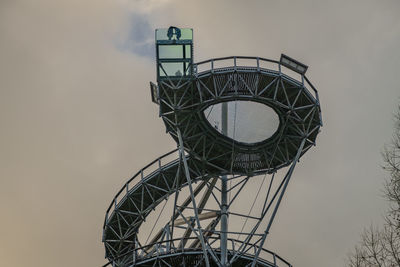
[154,166]
[252,63]
[160,250]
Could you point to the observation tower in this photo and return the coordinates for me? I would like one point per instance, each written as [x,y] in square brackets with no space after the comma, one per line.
[241,124]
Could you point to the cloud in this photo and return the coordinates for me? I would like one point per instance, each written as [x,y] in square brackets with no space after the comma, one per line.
[139,38]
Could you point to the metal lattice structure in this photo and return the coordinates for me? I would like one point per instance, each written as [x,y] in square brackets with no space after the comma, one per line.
[206,177]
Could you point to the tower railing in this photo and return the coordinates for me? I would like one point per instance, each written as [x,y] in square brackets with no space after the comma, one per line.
[154,166]
[157,250]
[256,64]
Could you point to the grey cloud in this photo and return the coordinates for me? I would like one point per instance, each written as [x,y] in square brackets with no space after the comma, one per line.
[139,39]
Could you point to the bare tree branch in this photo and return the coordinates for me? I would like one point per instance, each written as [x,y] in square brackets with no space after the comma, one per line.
[381,247]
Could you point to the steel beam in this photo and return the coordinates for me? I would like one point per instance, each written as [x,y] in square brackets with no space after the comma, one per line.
[224,195]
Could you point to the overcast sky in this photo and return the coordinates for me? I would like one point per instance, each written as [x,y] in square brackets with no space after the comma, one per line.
[77,120]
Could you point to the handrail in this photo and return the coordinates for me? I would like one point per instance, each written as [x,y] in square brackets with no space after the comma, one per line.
[239,57]
[126,185]
[183,250]
[255,66]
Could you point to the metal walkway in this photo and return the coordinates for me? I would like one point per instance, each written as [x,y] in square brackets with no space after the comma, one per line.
[204,155]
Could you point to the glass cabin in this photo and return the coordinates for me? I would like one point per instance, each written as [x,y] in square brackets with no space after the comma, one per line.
[174,53]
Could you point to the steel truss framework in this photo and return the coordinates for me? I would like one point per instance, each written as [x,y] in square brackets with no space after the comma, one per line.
[192,234]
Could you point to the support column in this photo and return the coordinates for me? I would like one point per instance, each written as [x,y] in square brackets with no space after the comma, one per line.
[224,195]
[189,180]
[271,220]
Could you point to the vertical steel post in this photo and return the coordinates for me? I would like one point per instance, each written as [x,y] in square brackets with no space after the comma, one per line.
[224,195]
[189,180]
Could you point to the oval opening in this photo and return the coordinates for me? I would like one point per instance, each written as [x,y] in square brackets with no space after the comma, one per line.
[247,121]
